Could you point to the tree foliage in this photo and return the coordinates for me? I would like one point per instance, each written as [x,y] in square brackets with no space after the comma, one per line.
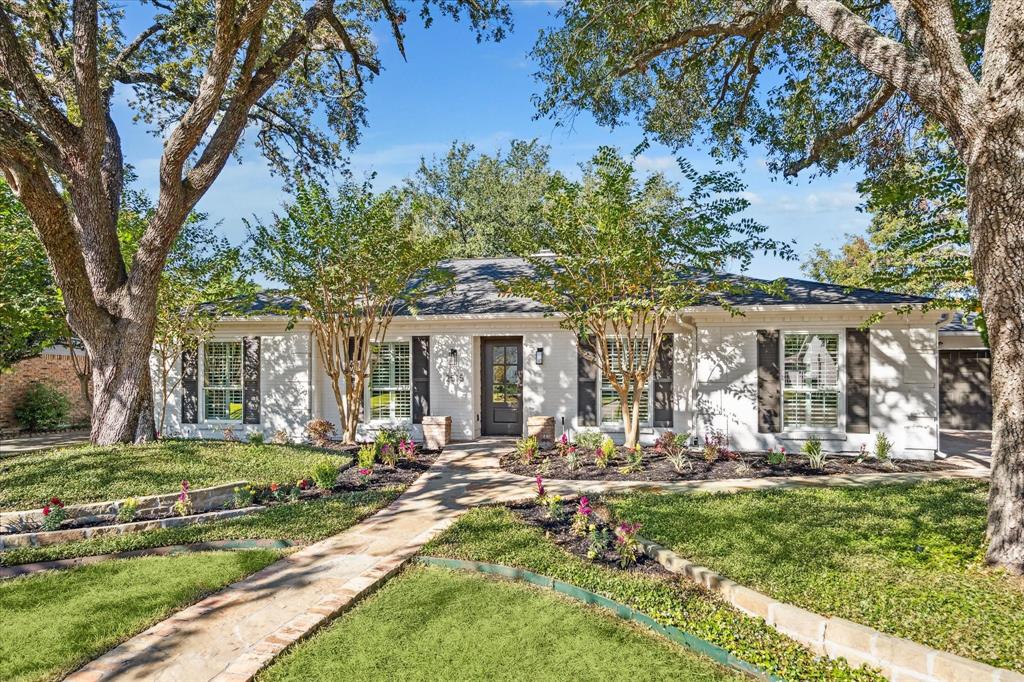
[31,314]
[351,260]
[616,257]
[482,199]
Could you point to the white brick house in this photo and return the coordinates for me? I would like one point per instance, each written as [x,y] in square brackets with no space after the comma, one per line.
[789,368]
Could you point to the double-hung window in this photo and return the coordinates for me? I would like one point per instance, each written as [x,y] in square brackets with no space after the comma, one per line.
[611,406]
[222,381]
[391,382]
[810,375]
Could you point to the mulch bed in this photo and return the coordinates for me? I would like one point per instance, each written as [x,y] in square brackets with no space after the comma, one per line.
[656,467]
[559,531]
[403,473]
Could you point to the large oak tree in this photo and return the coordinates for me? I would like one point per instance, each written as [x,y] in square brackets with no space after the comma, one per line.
[822,82]
[201,73]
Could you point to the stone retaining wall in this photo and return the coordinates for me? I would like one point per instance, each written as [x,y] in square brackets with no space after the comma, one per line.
[203,500]
[54,537]
[898,659]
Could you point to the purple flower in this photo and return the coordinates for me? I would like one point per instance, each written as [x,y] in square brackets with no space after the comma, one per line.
[540,486]
[565,438]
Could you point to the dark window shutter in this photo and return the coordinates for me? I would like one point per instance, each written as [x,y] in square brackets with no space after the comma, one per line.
[586,386]
[858,380]
[420,378]
[663,413]
[769,392]
[190,383]
[251,380]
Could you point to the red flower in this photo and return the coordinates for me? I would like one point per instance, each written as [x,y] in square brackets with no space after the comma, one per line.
[56,502]
[46,510]
[274,487]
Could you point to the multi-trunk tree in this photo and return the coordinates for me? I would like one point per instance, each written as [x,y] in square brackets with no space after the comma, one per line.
[201,73]
[351,261]
[822,82]
[616,257]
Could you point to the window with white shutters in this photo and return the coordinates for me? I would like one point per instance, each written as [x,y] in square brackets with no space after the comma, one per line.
[611,406]
[810,375]
[222,381]
[391,382]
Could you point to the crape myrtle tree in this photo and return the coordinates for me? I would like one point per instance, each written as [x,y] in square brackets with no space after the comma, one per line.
[351,261]
[823,82]
[201,74]
[616,257]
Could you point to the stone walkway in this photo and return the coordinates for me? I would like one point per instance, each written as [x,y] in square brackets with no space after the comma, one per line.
[231,635]
[18,444]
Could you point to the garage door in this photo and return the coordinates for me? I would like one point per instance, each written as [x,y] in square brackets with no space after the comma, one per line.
[965,394]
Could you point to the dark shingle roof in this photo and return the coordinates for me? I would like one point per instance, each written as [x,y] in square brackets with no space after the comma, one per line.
[960,322]
[475,292]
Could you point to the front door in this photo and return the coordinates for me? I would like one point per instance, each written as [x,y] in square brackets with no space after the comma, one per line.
[502,387]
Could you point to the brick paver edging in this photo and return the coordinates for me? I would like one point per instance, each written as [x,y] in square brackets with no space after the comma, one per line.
[898,659]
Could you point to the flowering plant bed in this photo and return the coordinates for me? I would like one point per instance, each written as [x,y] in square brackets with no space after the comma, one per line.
[653,464]
[379,475]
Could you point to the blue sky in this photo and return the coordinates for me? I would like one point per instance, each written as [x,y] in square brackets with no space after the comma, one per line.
[454,88]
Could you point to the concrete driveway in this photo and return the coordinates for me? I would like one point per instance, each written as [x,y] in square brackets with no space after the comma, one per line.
[20,444]
[974,446]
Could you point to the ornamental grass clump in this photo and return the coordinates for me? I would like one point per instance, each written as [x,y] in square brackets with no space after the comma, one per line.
[54,514]
[325,473]
[526,449]
[627,547]
[815,455]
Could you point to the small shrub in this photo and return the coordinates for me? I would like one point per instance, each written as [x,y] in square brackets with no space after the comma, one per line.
[815,455]
[554,507]
[367,456]
[255,438]
[389,454]
[319,432]
[526,449]
[715,447]
[626,544]
[365,474]
[325,473]
[244,496]
[390,437]
[634,461]
[42,407]
[588,439]
[54,514]
[280,437]
[776,457]
[183,506]
[670,443]
[573,460]
[581,519]
[598,541]
[128,510]
[883,447]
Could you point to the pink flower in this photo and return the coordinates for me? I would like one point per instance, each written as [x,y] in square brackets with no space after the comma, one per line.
[365,472]
[565,438]
[540,486]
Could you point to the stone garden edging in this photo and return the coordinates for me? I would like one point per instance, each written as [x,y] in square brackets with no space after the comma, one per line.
[898,659]
[203,500]
[42,538]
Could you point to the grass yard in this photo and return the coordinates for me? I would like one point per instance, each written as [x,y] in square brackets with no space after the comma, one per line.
[905,559]
[431,624]
[53,622]
[298,521]
[496,535]
[95,474]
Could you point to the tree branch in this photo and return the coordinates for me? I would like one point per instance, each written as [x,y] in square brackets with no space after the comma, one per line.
[848,127]
[395,19]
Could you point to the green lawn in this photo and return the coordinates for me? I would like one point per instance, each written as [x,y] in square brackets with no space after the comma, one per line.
[51,623]
[299,521]
[95,474]
[905,559]
[433,624]
[494,534]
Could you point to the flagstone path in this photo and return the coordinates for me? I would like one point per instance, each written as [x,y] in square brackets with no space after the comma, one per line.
[231,635]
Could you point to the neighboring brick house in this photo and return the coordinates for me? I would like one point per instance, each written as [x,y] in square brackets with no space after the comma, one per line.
[53,365]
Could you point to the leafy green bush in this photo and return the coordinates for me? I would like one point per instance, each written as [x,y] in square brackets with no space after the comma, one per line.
[367,456]
[256,438]
[42,407]
[325,473]
[392,437]
[588,439]
[128,510]
[776,457]
[883,447]
[526,449]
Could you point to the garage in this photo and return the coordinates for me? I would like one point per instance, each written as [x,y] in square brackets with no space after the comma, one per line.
[965,396]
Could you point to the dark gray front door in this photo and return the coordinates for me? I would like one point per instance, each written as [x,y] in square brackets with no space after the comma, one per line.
[502,380]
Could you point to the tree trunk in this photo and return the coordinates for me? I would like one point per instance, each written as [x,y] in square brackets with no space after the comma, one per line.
[122,407]
[630,423]
[995,186]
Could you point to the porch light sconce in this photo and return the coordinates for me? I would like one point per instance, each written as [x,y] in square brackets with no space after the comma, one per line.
[451,374]
[540,356]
